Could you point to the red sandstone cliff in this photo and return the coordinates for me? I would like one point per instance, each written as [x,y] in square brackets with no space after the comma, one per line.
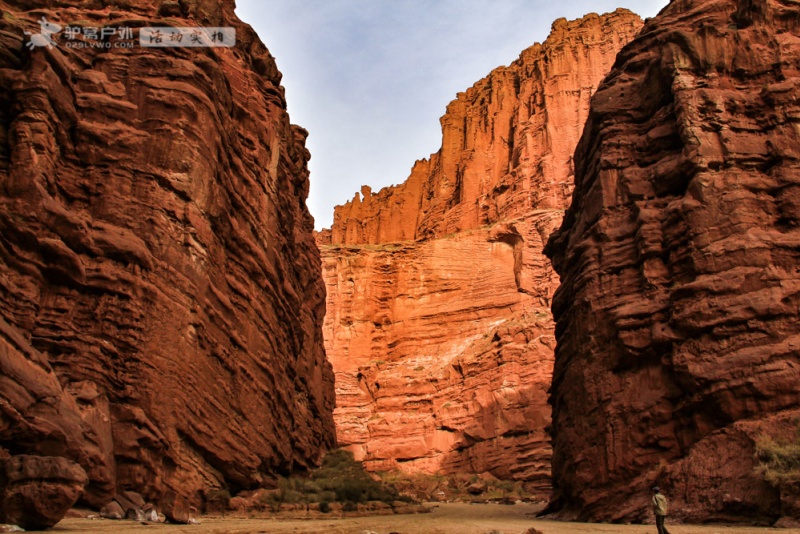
[677,317]
[160,292]
[438,322]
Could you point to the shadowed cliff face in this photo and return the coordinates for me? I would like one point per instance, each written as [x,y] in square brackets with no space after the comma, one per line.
[438,323]
[677,317]
[157,265]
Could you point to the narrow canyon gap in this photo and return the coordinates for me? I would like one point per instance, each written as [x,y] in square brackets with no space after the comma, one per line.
[438,319]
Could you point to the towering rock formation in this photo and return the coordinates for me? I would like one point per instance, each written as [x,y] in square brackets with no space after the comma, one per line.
[438,322]
[160,293]
[677,317]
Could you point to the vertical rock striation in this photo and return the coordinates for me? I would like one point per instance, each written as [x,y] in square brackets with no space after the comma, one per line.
[438,322]
[160,292]
[677,316]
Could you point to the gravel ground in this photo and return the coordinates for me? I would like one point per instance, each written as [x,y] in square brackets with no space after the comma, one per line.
[447,518]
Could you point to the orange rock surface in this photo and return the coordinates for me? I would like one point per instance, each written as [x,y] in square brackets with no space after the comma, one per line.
[677,317]
[438,323]
[161,300]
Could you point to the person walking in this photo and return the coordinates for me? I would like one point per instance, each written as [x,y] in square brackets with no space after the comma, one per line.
[660,506]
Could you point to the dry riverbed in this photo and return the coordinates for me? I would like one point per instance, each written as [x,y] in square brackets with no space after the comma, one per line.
[446,518]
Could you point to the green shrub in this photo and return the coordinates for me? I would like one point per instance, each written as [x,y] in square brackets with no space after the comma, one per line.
[337,458]
[324,496]
[779,459]
[340,479]
[291,491]
[308,487]
[349,507]
[348,480]
[351,490]
[271,500]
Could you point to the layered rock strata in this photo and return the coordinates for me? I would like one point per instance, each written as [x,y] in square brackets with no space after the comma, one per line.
[677,316]
[36,492]
[438,322]
[160,292]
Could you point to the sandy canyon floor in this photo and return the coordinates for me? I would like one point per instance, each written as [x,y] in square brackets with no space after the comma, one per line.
[445,519]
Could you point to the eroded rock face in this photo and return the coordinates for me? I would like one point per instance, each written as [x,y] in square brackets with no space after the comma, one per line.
[37,491]
[438,322]
[677,317]
[423,396]
[160,294]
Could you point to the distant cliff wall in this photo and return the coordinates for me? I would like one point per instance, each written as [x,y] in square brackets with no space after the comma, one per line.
[438,322]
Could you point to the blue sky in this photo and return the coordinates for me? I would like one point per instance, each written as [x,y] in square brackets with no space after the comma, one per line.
[369,79]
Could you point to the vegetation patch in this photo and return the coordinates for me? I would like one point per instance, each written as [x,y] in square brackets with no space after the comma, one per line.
[340,485]
[458,488]
[779,459]
[346,479]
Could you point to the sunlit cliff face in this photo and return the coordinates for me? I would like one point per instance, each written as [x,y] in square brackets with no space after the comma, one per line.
[438,323]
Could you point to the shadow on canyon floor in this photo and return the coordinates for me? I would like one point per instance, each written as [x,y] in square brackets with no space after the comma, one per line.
[447,518]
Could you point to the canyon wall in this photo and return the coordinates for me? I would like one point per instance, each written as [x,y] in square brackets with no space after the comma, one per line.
[161,300]
[438,319]
[677,317]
